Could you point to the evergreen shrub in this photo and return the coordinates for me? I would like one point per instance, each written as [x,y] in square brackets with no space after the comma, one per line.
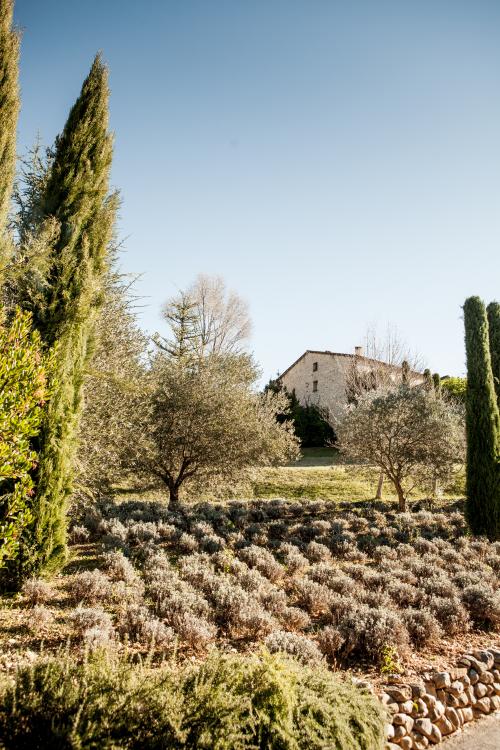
[226,703]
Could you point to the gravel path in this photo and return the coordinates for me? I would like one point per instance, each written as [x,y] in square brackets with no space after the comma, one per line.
[479,735]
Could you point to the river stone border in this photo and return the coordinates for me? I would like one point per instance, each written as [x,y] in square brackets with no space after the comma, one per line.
[425,712]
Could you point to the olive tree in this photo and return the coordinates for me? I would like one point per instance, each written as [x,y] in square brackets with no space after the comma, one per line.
[411,434]
[386,361]
[203,423]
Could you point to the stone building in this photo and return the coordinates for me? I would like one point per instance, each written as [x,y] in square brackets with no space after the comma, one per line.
[324,378]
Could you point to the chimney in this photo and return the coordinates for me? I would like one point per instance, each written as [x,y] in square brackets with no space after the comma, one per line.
[358,351]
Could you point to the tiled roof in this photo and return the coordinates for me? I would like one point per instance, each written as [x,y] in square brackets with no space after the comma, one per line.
[350,356]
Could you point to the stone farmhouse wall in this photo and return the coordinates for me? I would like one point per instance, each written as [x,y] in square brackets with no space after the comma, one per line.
[324,385]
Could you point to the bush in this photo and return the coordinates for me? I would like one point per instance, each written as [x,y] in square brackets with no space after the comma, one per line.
[315,597]
[195,631]
[274,703]
[23,394]
[293,644]
[39,618]
[367,631]
[294,618]
[87,618]
[450,613]
[421,625]
[483,605]
[90,587]
[317,552]
[119,568]
[293,559]
[102,703]
[330,641]
[263,560]
[136,623]
[79,535]
[36,591]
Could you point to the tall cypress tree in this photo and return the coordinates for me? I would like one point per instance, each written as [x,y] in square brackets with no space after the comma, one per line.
[483,426]
[405,372]
[493,311]
[9,110]
[76,194]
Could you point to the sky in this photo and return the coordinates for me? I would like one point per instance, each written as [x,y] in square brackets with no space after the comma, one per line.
[337,162]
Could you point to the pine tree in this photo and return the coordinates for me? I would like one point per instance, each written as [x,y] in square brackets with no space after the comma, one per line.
[9,109]
[180,314]
[483,426]
[76,196]
[493,311]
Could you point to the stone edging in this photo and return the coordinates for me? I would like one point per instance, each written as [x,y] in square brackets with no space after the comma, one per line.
[425,712]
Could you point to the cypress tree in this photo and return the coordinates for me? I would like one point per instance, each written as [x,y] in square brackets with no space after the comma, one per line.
[483,426]
[428,381]
[493,311]
[9,110]
[405,372]
[76,196]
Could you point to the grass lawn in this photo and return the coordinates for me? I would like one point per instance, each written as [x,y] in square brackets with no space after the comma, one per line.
[319,457]
[335,483]
[321,474]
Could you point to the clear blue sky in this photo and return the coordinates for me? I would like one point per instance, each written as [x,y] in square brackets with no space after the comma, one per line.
[337,162]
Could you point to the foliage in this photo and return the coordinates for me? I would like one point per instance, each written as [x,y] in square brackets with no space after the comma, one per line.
[483,425]
[75,195]
[310,426]
[493,312]
[410,433]
[89,587]
[207,319]
[383,578]
[293,644]
[455,388]
[23,393]
[112,389]
[203,422]
[226,703]
[9,109]
[389,661]
[36,591]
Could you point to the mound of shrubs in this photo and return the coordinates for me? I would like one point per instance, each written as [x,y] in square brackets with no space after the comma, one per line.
[228,702]
[303,577]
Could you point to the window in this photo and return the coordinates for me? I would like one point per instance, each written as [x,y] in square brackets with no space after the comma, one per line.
[315,386]
[315,366]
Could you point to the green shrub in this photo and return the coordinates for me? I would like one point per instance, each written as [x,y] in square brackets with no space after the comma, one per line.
[23,392]
[456,388]
[227,703]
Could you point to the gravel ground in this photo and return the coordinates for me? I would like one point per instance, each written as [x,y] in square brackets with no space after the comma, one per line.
[481,735]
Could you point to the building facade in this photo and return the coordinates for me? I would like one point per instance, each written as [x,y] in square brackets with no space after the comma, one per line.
[324,378]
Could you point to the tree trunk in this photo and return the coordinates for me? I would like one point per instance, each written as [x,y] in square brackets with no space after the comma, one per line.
[380,485]
[401,498]
[435,487]
[174,495]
